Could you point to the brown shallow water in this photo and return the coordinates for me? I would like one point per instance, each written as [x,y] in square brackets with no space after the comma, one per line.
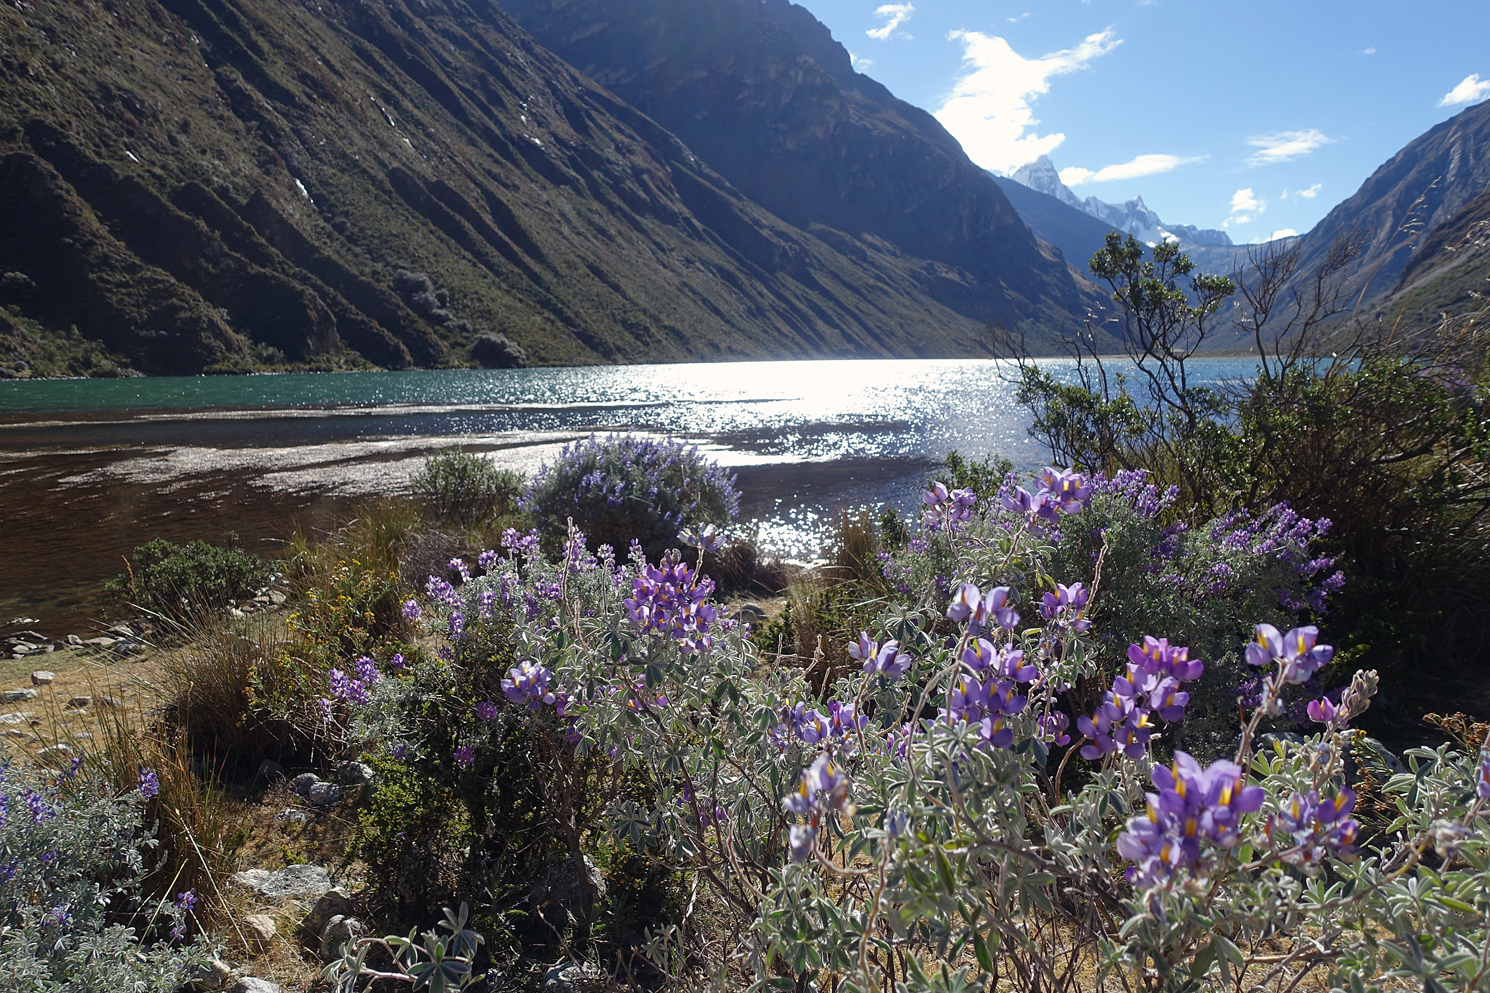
[79,492]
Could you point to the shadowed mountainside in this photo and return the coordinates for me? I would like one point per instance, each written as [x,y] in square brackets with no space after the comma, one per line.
[226,185]
[763,93]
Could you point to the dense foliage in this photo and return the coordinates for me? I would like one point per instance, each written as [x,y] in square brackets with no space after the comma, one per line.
[465,489]
[623,488]
[955,808]
[183,581]
[71,913]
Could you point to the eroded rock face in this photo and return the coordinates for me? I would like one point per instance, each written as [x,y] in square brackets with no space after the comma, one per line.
[297,881]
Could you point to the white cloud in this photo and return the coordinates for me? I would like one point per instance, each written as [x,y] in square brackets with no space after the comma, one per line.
[898,14]
[1245,204]
[989,108]
[859,62]
[1280,233]
[1016,20]
[1472,89]
[1310,193]
[1283,146]
[1143,165]
[1369,51]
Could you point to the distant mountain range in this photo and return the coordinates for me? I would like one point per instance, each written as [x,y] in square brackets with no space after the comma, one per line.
[1132,217]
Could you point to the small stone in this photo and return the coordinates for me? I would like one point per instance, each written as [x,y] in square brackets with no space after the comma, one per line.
[101,642]
[22,647]
[354,773]
[302,783]
[573,977]
[333,903]
[79,702]
[325,794]
[340,930]
[43,678]
[303,881]
[17,696]
[15,733]
[206,976]
[74,640]
[55,755]
[276,597]
[122,631]
[248,984]
[235,612]
[270,771]
[258,930]
[108,701]
[19,717]
[291,815]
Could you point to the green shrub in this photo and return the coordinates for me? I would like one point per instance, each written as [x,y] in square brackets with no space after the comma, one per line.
[624,487]
[184,581]
[465,489]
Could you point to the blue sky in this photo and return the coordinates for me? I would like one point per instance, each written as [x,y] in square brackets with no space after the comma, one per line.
[1255,115]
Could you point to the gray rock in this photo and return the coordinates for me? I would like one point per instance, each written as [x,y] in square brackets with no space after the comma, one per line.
[43,678]
[122,631]
[1380,753]
[304,881]
[573,977]
[302,783]
[248,984]
[333,903]
[270,771]
[276,597]
[75,641]
[55,755]
[258,930]
[340,929]
[101,642]
[354,773]
[17,696]
[325,794]
[19,717]
[290,815]
[556,894]
[206,976]
[79,702]
[108,701]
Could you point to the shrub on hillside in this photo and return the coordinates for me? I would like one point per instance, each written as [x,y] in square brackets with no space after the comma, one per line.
[183,581]
[620,488]
[465,489]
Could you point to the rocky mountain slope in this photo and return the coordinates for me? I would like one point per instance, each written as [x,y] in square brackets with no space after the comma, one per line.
[1076,233]
[230,185]
[761,92]
[1397,210]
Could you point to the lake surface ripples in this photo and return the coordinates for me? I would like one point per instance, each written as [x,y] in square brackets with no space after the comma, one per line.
[89,469]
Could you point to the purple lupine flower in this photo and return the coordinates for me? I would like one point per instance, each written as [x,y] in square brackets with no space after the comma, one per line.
[41,811]
[149,786]
[1064,489]
[399,752]
[802,839]
[865,650]
[486,711]
[889,661]
[186,900]
[323,706]
[1053,728]
[527,683]
[1067,605]
[487,559]
[411,610]
[367,670]
[1297,653]
[706,538]
[1192,805]
[456,626]
[972,606]
[1323,711]
[58,917]
[1316,828]
[936,496]
[397,663]
[1017,500]
[464,756]
[1157,656]
[459,565]
[672,599]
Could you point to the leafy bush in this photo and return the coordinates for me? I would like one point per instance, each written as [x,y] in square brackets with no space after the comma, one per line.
[950,813]
[465,489]
[621,488]
[72,856]
[184,581]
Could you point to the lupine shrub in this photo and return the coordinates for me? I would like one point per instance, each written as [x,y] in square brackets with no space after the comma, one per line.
[72,916]
[182,582]
[460,488]
[952,813]
[620,488]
